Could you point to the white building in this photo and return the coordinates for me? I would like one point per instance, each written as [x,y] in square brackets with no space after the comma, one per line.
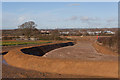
[64,32]
[109,32]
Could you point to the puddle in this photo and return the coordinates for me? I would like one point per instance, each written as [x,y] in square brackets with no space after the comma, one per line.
[4,62]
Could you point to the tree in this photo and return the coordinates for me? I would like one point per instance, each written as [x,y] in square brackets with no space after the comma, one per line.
[55,34]
[28,28]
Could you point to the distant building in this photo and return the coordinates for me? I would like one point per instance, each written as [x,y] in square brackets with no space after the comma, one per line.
[98,32]
[32,38]
[109,32]
[24,38]
[91,33]
[21,38]
[64,32]
[45,32]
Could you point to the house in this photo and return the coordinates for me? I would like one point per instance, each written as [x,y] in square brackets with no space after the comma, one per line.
[91,33]
[45,32]
[98,32]
[21,38]
[109,32]
[24,38]
[64,32]
[32,38]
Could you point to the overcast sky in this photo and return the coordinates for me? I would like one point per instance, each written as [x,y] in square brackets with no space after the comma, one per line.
[51,15]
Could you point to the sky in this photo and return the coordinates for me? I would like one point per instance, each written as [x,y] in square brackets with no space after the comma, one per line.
[52,15]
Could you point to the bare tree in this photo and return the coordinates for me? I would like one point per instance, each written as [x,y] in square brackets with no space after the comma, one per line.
[55,34]
[28,28]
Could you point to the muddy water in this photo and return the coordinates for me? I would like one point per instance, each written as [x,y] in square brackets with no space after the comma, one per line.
[4,62]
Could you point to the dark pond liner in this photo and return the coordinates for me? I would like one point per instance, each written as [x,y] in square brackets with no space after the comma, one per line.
[42,50]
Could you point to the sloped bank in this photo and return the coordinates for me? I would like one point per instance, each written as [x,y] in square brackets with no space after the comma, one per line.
[103,49]
[18,59]
[41,50]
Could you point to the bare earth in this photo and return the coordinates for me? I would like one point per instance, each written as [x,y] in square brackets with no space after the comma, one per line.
[82,51]
[14,72]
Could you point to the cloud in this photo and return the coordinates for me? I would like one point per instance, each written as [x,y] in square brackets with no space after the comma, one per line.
[84,19]
[111,20]
[21,19]
[74,4]
[88,19]
[73,18]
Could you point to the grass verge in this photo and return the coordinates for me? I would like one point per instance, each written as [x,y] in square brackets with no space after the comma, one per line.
[11,43]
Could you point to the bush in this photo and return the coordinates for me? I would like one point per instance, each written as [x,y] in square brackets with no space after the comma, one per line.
[111,42]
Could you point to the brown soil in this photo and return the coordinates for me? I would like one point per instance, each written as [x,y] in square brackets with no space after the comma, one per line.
[104,50]
[82,50]
[62,67]
[13,72]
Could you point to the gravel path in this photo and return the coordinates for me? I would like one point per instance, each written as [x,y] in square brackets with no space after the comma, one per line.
[81,50]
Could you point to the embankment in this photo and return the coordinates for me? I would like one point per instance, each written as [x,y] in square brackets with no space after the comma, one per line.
[17,58]
[103,49]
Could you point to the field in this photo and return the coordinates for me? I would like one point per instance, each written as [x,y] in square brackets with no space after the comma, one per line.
[14,42]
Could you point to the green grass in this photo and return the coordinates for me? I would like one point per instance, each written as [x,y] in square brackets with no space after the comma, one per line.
[11,43]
